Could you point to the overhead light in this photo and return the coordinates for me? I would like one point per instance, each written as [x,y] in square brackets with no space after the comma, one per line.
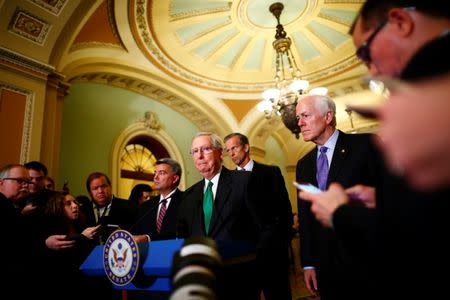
[282,98]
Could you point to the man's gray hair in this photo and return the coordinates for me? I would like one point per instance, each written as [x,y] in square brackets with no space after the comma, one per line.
[325,104]
[215,139]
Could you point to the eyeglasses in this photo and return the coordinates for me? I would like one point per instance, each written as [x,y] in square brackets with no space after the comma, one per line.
[204,150]
[19,181]
[363,51]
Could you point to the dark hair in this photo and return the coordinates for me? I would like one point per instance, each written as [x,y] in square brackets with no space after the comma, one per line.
[93,176]
[374,11]
[55,204]
[242,138]
[176,168]
[36,165]
[137,191]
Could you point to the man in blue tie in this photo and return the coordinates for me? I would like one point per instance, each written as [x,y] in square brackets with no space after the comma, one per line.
[345,158]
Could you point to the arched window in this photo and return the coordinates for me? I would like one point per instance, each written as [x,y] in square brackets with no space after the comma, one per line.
[138,161]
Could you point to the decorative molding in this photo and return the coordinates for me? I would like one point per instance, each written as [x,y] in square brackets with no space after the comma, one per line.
[203,121]
[143,34]
[28,118]
[199,12]
[29,26]
[53,6]
[150,121]
[23,61]
[94,44]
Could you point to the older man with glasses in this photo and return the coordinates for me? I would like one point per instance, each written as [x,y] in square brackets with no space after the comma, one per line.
[15,249]
[220,207]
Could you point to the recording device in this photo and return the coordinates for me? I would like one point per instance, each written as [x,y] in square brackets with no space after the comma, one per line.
[195,268]
[107,228]
[307,187]
[76,237]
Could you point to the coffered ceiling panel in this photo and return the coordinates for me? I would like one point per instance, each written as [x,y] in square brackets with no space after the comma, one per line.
[227,45]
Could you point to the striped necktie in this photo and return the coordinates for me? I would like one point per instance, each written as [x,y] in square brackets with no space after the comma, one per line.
[162,213]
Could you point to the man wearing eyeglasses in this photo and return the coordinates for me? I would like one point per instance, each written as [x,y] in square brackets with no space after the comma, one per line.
[14,181]
[220,207]
[407,40]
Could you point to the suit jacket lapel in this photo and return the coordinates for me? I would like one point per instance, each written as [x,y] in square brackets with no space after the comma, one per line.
[222,193]
[340,153]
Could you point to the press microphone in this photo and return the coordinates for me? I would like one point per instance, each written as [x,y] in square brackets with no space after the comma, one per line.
[151,209]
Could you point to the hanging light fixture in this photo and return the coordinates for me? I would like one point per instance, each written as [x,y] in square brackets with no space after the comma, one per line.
[282,99]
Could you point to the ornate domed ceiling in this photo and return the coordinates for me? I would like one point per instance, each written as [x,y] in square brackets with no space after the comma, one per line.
[227,45]
[208,59]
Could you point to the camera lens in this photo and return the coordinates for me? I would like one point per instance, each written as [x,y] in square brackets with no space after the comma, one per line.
[194,270]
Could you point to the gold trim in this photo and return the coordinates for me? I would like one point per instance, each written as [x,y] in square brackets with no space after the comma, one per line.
[27,120]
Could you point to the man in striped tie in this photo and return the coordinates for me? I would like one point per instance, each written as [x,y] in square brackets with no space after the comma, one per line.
[157,217]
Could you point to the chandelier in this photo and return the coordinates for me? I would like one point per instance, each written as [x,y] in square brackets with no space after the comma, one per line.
[282,99]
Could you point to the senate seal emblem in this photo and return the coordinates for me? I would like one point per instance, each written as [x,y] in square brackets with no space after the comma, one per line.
[120,257]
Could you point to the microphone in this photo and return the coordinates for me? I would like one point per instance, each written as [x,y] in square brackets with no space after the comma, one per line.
[151,209]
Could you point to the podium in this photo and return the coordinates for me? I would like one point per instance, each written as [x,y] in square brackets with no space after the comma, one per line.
[157,263]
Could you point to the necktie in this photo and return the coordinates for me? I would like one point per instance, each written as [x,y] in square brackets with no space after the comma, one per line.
[208,205]
[322,169]
[162,213]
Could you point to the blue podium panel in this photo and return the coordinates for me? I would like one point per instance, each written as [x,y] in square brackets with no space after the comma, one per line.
[156,262]
[159,257]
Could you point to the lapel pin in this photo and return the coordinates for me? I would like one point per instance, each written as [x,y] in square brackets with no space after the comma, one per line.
[343,151]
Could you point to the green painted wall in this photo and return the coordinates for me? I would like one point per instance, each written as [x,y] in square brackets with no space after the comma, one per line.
[95,115]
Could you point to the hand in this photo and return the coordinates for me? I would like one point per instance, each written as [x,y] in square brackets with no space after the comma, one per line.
[143,238]
[363,193]
[91,232]
[59,242]
[324,204]
[309,277]
[28,209]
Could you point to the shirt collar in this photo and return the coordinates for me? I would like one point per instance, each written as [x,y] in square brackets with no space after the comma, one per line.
[248,166]
[331,142]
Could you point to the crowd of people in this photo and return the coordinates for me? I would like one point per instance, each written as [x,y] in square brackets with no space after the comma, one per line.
[375,231]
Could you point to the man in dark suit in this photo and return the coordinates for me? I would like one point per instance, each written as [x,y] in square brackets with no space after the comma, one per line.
[161,209]
[408,39]
[219,207]
[272,259]
[105,208]
[349,159]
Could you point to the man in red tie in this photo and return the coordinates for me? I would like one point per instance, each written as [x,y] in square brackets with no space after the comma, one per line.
[157,217]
